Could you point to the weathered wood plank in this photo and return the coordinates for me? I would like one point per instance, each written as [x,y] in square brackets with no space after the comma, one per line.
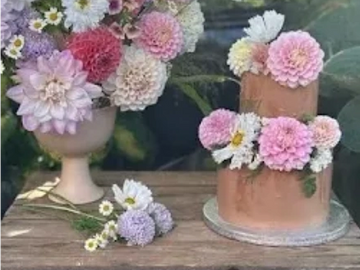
[31,241]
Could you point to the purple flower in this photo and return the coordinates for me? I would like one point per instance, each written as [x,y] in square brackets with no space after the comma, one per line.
[24,17]
[37,44]
[115,6]
[137,227]
[162,217]
[7,25]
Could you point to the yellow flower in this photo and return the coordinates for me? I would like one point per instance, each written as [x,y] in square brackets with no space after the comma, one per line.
[53,16]
[37,25]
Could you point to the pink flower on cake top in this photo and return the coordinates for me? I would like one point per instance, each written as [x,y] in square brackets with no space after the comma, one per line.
[282,143]
[121,48]
[293,59]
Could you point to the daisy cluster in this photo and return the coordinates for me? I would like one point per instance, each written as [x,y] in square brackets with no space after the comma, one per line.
[67,53]
[293,59]
[138,222]
[282,143]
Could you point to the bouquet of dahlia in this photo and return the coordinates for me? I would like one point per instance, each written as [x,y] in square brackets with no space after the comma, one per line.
[67,57]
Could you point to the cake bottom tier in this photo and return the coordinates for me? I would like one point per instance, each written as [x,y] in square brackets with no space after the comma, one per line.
[272,200]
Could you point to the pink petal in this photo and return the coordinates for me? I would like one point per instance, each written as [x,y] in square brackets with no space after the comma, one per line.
[57,112]
[93,90]
[45,127]
[72,113]
[41,109]
[59,125]
[26,107]
[71,127]
[16,93]
[38,81]
[30,123]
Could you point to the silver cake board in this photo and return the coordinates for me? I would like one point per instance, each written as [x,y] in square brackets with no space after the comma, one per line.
[336,225]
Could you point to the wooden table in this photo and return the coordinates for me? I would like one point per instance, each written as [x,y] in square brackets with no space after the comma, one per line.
[38,242]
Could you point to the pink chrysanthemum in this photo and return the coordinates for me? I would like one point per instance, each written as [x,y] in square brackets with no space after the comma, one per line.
[99,50]
[260,54]
[161,35]
[285,144]
[326,132]
[54,94]
[215,129]
[295,59]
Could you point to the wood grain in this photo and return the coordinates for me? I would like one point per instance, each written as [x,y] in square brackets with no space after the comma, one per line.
[37,242]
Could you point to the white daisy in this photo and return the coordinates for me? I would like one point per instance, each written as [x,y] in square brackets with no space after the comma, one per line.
[106,208]
[37,25]
[111,229]
[82,15]
[91,244]
[191,19]
[321,161]
[134,195]
[243,135]
[265,28]
[17,41]
[12,52]
[102,239]
[255,163]
[2,67]
[53,16]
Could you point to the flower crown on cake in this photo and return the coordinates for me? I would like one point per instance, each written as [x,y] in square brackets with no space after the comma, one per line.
[293,59]
[66,54]
[281,143]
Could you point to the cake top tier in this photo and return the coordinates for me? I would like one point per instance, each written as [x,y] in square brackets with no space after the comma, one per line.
[279,71]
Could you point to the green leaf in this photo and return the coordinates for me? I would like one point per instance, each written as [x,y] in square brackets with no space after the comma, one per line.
[191,92]
[343,70]
[309,186]
[87,225]
[8,126]
[349,119]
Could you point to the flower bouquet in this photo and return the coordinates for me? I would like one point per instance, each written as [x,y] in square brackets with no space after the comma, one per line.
[134,219]
[275,182]
[74,61]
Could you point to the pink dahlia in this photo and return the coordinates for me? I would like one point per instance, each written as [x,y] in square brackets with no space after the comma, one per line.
[215,129]
[295,59]
[285,144]
[99,50]
[160,35]
[326,132]
[54,94]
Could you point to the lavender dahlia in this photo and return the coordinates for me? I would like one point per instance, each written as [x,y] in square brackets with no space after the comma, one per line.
[137,227]
[162,217]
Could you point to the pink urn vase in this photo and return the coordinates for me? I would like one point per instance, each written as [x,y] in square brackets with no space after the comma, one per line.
[76,184]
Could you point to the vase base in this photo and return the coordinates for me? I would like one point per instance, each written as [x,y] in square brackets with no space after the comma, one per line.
[335,227]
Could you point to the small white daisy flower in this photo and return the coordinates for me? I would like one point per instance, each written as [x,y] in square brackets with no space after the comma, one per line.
[134,195]
[12,52]
[2,67]
[102,239]
[53,16]
[264,29]
[255,163]
[106,208]
[240,150]
[111,228]
[17,41]
[91,244]
[37,25]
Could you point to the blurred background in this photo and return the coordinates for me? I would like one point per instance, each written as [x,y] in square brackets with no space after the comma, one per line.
[164,136]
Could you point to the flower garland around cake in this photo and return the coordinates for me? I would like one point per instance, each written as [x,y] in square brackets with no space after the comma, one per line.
[292,59]
[282,143]
[134,219]
[67,57]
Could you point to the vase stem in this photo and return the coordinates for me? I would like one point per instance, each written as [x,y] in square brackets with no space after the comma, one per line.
[76,184]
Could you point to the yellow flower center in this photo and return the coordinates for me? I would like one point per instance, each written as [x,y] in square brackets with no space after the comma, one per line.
[91,244]
[17,43]
[299,57]
[82,4]
[130,201]
[112,227]
[106,208]
[53,16]
[37,25]
[238,138]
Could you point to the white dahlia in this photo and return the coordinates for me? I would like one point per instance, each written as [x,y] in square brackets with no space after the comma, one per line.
[192,21]
[240,150]
[265,28]
[84,14]
[321,161]
[138,81]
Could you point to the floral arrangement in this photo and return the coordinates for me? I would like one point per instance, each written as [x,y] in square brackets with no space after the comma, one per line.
[282,143]
[67,57]
[134,218]
[293,59]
